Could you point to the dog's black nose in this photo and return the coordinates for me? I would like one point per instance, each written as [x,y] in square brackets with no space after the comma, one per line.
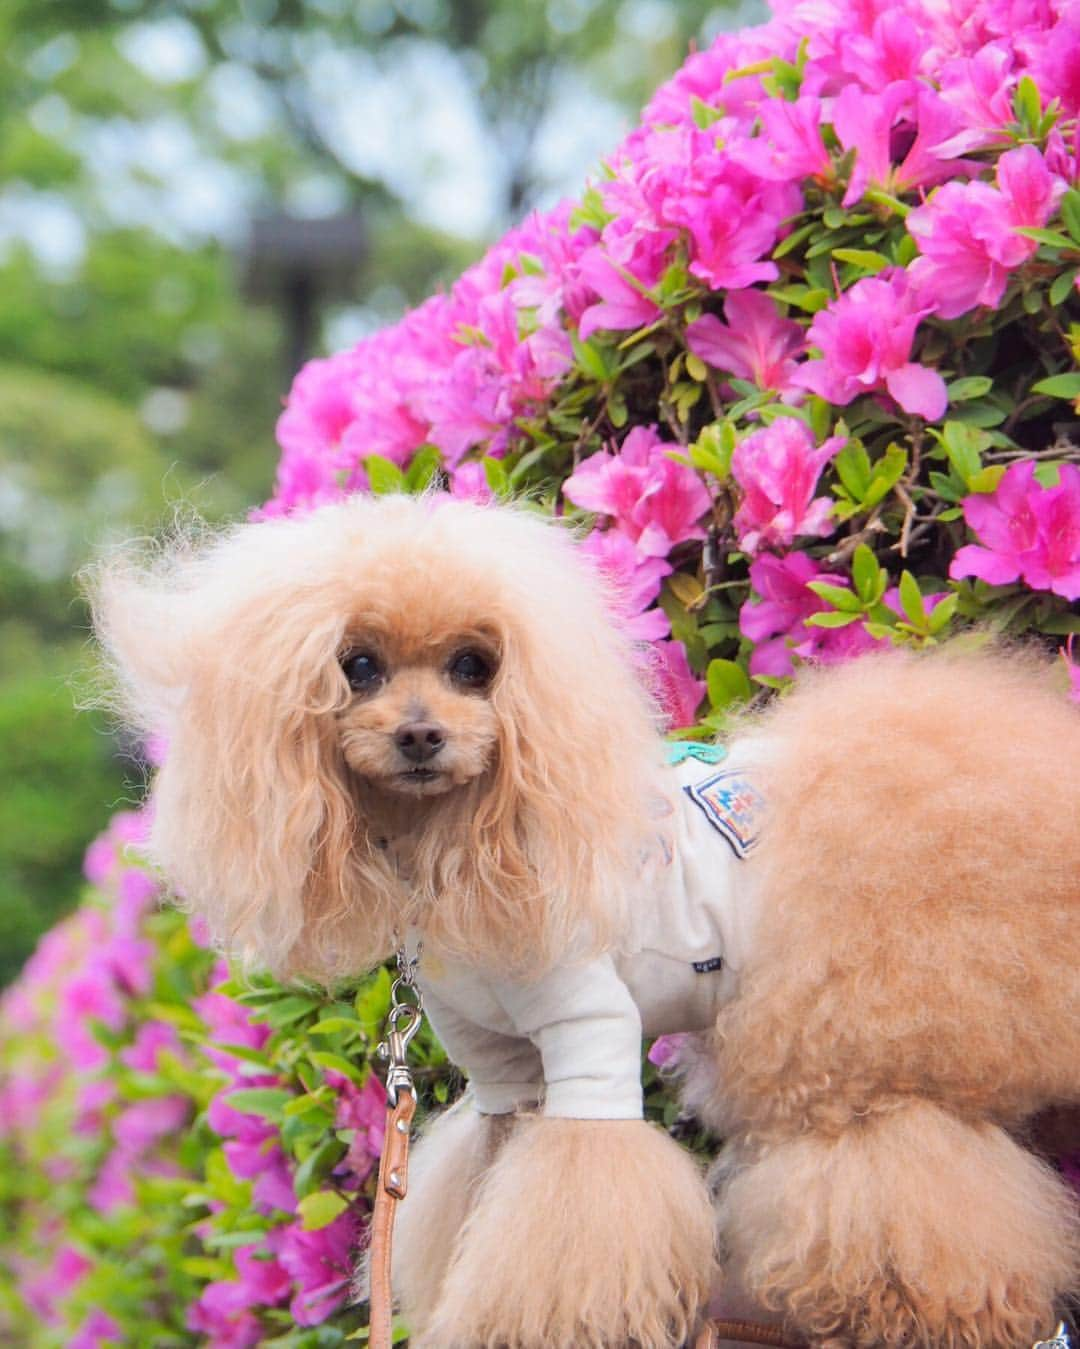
[420,740]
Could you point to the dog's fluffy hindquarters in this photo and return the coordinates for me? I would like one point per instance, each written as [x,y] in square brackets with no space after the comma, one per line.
[398,720]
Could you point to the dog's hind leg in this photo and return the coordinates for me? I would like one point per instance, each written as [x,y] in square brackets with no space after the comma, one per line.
[909,1228]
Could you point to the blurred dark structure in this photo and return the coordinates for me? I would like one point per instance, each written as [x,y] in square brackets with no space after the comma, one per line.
[296,264]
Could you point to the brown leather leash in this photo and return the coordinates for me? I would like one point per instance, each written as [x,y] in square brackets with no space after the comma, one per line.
[714,1333]
[392,1186]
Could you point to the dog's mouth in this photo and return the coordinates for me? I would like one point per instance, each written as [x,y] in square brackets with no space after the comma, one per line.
[422,781]
[420,775]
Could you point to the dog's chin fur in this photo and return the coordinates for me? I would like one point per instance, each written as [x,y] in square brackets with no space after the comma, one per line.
[412,787]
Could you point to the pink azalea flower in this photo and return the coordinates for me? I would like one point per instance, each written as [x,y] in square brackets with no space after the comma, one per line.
[896,49]
[621,305]
[468,482]
[652,499]
[319,407]
[1028,532]
[99,1329]
[731,215]
[876,126]
[678,689]
[321,1264]
[129,961]
[1055,64]
[665,1050]
[92,1103]
[224,1309]
[754,343]
[980,87]
[363,1110]
[778,468]
[99,860]
[635,582]
[865,341]
[224,1330]
[790,146]
[967,233]
[142,1124]
[776,623]
[112,1187]
[138,891]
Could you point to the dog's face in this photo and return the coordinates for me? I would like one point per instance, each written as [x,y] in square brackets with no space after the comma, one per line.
[419,720]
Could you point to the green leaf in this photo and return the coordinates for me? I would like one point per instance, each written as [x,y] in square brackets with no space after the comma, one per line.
[336,1063]
[266,1102]
[870,579]
[972,386]
[987,479]
[962,444]
[832,619]
[317,1165]
[704,115]
[1063,286]
[589,359]
[383,476]
[912,601]
[696,367]
[424,465]
[838,596]
[887,472]
[496,475]
[727,683]
[810,299]
[852,465]
[794,239]
[1059,386]
[1051,238]
[865,258]
[942,613]
[1027,104]
[1070,213]
[320,1209]
[330,1025]
[284,1011]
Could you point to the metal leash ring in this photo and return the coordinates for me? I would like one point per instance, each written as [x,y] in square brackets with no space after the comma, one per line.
[402,1023]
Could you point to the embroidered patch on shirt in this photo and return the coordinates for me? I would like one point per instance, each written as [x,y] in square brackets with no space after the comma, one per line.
[708,966]
[732,805]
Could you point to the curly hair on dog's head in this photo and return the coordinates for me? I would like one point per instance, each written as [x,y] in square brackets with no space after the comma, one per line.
[418,667]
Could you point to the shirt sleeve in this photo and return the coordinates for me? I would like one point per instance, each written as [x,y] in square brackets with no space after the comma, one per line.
[504,1072]
[587,1028]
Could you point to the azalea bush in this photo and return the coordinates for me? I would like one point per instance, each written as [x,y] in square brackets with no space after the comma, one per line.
[801,366]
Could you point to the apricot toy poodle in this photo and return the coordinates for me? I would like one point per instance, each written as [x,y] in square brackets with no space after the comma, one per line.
[396,720]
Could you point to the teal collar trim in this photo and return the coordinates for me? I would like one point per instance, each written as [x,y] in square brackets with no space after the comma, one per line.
[678,751]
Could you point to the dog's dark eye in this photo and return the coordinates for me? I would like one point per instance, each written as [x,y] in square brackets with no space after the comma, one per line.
[363,670]
[471,669]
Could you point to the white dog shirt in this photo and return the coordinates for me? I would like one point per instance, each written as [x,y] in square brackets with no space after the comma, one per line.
[572,1039]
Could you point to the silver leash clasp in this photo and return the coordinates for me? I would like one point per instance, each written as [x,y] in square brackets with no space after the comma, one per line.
[402,1023]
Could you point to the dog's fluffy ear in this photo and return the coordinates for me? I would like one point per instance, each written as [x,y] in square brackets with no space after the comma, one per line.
[557,840]
[228,649]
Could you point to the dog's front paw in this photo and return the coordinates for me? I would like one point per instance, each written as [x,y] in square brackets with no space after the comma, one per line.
[586,1234]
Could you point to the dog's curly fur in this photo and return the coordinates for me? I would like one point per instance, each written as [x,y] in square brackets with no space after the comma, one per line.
[911,997]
